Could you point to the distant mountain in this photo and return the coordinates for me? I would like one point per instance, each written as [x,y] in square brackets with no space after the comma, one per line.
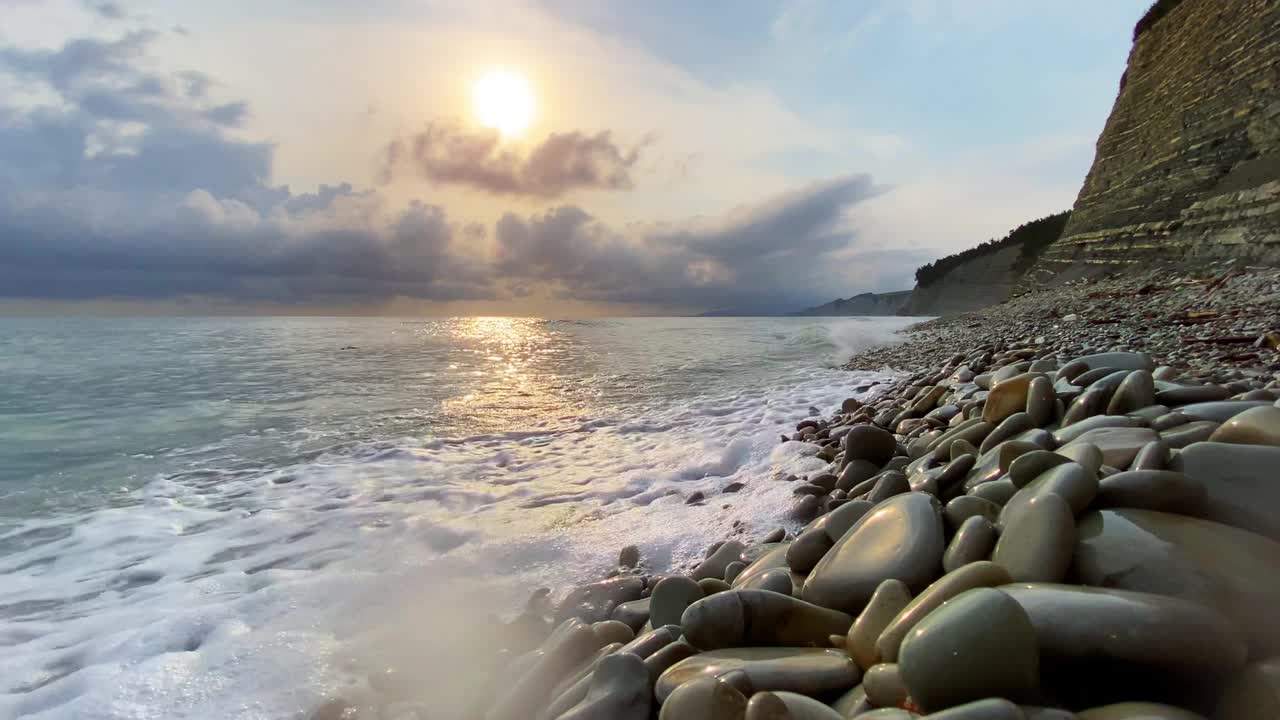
[864,304]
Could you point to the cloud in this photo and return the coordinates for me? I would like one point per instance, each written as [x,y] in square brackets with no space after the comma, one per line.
[105,9]
[131,186]
[477,158]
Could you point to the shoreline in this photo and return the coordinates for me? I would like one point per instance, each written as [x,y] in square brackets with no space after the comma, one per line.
[1051,420]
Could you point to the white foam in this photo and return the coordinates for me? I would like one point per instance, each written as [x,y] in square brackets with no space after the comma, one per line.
[260,593]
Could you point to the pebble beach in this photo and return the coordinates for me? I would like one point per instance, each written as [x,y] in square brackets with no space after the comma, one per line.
[1062,506]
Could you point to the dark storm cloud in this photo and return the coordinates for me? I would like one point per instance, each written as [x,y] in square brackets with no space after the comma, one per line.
[131,186]
[779,252]
[477,158]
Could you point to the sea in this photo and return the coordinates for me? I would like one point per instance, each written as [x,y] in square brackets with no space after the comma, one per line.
[252,517]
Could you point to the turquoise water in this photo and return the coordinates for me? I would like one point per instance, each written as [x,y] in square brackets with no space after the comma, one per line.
[196,515]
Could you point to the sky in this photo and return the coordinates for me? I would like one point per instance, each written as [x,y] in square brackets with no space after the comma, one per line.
[328,156]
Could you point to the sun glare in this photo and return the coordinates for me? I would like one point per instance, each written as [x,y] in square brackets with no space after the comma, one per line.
[503,101]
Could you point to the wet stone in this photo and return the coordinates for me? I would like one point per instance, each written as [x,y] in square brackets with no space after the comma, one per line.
[901,538]
[1137,711]
[968,577]
[964,507]
[804,670]
[974,541]
[883,685]
[1038,540]
[888,600]
[706,698]
[1162,490]
[981,644]
[782,705]
[1256,426]
[670,597]
[740,618]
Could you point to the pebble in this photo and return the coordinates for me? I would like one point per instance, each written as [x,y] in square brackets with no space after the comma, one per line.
[979,645]
[1136,391]
[1187,433]
[1066,434]
[1086,454]
[966,506]
[777,580]
[968,577]
[856,472]
[1090,625]
[595,601]
[635,613]
[1187,394]
[1030,466]
[974,541]
[1200,561]
[1153,456]
[1256,426]
[999,492]
[901,538]
[711,586]
[868,442]
[804,670]
[1222,410]
[1070,481]
[1118,445]
[776,535]
[706,698]
[740,618]
[782,705]
[1038,540]
[1008,396]
[888,600]
[1010,427]
[1163,490]
[775,556]
[883,685]
[1040,401]
[671,596]
[619,690]
[629,556]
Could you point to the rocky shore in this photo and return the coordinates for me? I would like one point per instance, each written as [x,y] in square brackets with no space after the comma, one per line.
[1065,506]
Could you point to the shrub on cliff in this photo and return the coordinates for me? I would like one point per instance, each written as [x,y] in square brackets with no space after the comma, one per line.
[1158,10]
[1033,237]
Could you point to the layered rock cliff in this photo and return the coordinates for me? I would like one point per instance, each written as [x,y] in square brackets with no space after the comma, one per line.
[1188,166]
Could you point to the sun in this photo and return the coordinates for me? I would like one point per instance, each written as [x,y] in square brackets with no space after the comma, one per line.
[503,101]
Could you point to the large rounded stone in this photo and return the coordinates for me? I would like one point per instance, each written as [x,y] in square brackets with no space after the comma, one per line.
[1243,485]
[974,575]
[1192,432]
[1106,628]
[1257,426]
[1153,456]
[1117,360]
[999,491]
[1067,433]
[568,646]
[972,542]
[1038,540]
[804,670]
[1163,490]
[738,618]
[868,442]
[901,538]
[1137,711]
[1118,445]
[1010,427]
[1087,454]
[979,645]
[670,597]
[1205,562]
[1186,394]
[619,690]
[855,472]
[888,600]
[707,698]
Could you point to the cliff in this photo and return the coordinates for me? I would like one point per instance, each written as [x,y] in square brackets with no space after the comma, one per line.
[1187,168]
[865,304]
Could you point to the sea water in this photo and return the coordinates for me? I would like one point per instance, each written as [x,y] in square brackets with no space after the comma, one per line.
[246,517]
